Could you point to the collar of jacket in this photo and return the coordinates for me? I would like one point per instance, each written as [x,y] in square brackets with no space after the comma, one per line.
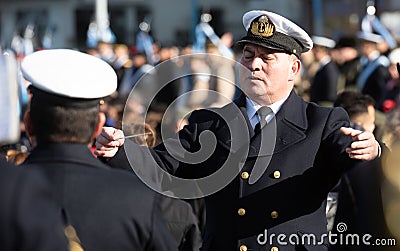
[291,123]
[63,153]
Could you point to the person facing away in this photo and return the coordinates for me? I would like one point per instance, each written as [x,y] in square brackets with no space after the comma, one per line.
[359,194]
[324,85]
[285,168]
[108,209]
[392,99]
[29,218]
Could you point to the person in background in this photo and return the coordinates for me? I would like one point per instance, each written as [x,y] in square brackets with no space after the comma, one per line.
[106,51]
[217,87]
[140,67]
[122,62]
[360,109]
[391,173]
[374,75]
[391,135]
[358,197]
[348,61]
[108,209]
[309,67]
[324,84]
[392,99]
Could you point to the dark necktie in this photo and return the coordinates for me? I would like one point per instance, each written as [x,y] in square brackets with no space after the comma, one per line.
[263,112]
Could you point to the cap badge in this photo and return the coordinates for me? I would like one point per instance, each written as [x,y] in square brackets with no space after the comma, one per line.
[262,27]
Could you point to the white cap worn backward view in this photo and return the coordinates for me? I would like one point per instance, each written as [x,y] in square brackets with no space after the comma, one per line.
[323,41]
[370,37]
[64,76]
[276,32]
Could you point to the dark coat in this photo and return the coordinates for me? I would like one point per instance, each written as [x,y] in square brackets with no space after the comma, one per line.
[29,218]
[360,205]
[349,72]
[181,219]
[375,85]
[110,209]
[289,198]
[324,86]
[182,222]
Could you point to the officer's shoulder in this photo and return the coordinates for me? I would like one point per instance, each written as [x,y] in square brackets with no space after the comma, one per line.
[326,110]
[11,175]
[123,180]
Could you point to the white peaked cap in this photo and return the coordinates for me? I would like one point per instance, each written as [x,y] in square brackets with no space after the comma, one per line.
[281,25]
[69,73]
[324,41]
[371,37]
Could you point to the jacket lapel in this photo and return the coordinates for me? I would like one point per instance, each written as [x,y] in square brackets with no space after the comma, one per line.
[290,125]
[291,122]
[286,129]
[237,124]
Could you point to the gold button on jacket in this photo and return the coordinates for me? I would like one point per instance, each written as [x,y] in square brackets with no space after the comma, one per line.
[277,174]
[241,211]
[274,214]
[243,248]
[245,175]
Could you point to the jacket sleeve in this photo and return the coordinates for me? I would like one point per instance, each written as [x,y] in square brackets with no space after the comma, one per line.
[169,154]
[161,238]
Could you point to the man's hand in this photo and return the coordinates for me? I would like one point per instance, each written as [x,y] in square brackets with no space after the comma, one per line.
[108,142]
[364,147]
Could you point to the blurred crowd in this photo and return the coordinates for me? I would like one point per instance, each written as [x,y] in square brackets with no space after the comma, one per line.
[364,67]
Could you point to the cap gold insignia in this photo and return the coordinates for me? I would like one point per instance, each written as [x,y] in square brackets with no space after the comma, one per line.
[262,27]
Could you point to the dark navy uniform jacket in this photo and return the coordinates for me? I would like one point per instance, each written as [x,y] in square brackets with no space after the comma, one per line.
[109,209]
[289,198]
[29,218]
[325,83]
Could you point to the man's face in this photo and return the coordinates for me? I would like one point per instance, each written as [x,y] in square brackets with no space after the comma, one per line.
[366,120]
[347,54]
[367,48]
[268,75]
[319,52]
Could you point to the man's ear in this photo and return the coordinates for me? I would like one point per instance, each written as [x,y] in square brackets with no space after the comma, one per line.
[30,131]
[294,70]
[28,124]
[100,123]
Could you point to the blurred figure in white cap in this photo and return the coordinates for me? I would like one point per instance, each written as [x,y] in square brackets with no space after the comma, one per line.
[103,209]
[291,152]
[324,84]
[374,75]
[348,60]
